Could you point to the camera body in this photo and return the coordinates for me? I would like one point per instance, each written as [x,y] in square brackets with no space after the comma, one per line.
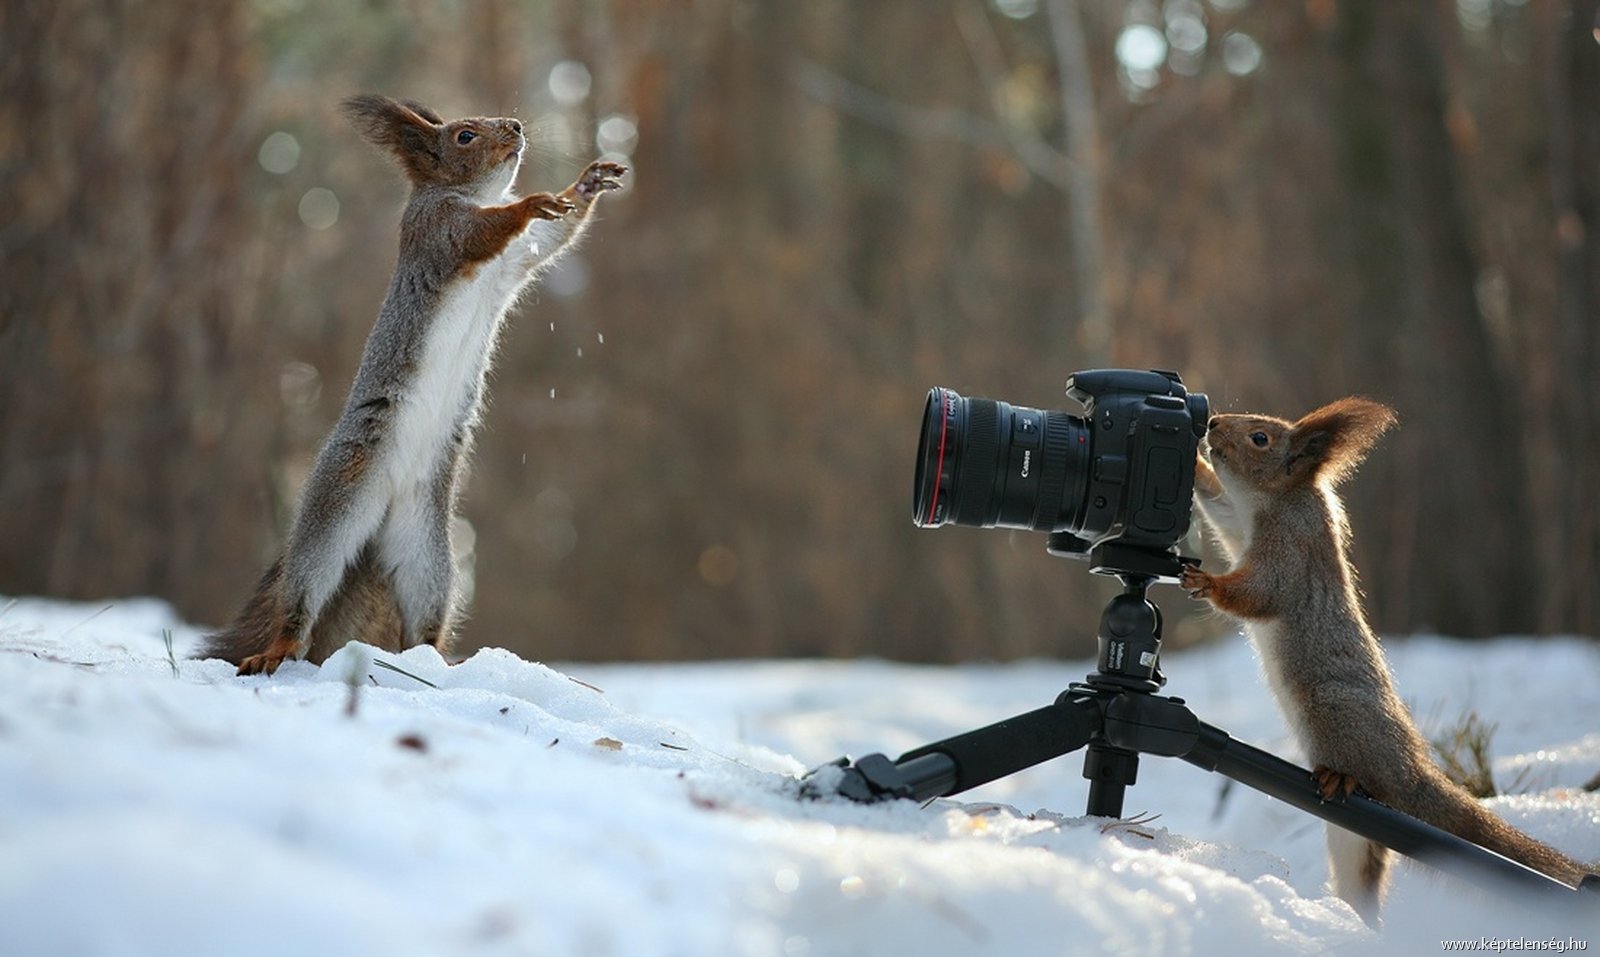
[1150,472]
[1121,474]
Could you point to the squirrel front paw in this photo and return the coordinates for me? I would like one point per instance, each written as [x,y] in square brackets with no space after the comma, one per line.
[1206,483]
[548,206]
[602,175]
[1197,583]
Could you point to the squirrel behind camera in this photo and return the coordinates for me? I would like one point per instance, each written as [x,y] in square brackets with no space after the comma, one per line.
[368,556]
[1269,494]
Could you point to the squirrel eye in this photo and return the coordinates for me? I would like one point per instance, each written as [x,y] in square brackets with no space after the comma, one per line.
[1259,438]
[465,136]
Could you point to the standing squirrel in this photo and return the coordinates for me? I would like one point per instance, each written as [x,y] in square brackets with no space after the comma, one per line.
[1269,494]
[368,556]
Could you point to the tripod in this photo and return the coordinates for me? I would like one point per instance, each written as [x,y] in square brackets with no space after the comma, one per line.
[1116,714]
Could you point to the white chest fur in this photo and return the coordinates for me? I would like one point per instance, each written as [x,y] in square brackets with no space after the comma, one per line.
[454,360]
[1269,640]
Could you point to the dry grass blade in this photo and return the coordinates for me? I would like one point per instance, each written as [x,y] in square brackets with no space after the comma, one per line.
[580,681]
[1465,756]
[1133,825]
[379,662]
[87,620]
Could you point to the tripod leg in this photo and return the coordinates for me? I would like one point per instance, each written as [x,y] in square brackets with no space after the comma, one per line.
[1215,750]
[977,757]
[1109,770]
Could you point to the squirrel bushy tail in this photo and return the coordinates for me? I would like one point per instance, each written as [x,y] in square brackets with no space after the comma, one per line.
[1359,869]
[1442,803]
[262,621]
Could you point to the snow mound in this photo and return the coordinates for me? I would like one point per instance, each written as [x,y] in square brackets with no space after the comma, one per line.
[398,804]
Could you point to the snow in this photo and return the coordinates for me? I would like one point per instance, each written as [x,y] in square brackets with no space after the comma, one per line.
[156,805]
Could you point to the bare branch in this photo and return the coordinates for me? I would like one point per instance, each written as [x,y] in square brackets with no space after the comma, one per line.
[1031,149]
[826,86]
[1074,170]
[1084,156]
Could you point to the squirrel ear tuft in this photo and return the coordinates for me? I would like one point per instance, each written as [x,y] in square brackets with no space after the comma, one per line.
[1330,442]
[408,130]
[423,112]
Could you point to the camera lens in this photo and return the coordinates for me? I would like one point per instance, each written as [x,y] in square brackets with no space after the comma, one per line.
[985,463]
[1122,473]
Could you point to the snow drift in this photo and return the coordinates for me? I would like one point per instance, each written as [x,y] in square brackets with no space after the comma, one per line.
[155,805]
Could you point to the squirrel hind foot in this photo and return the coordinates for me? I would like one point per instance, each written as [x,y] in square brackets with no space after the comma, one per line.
[267,662]
[1333,785]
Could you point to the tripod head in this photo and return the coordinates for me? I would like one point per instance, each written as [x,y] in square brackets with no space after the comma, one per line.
[1130,626]
[1122,560]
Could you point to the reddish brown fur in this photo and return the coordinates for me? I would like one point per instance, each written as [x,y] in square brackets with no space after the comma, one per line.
[362,610]
[399,591]
[262,637]
[355,464]
[1239,592]
[1275,458]
[265,628]
[262,618]
[1325,445]
[1206,482]
[1269,492]
[415,134]
[1333,785]
[494,227]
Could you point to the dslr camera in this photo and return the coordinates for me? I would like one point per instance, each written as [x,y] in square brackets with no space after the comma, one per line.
[1112,485]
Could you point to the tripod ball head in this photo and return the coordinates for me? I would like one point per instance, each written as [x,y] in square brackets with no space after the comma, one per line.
[1130,640]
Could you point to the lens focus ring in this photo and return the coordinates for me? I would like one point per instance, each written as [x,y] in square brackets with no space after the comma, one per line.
[1058,439]
[975,475]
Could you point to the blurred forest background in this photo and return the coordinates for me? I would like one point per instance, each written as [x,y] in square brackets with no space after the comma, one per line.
[701,433]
